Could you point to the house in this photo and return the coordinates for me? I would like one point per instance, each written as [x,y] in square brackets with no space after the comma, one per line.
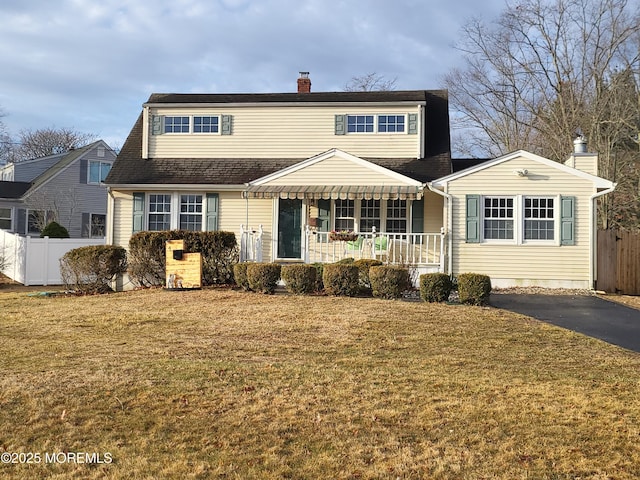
[316,177]
[66,187]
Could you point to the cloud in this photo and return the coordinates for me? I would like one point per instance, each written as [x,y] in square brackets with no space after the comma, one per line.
[90,65]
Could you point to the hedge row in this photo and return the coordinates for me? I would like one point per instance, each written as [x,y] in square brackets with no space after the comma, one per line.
[92,269]
[473,288]
[345,278]
[146,256]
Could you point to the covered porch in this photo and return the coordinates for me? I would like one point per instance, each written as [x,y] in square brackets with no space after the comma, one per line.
[335,206]
[426,251]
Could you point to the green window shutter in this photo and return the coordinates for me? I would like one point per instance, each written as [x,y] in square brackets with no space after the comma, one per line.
[213,204]
[413,124]
[473,218]
[417,216]
[227,125]
[567,221]
[138,212]
[324,215]
[340,124]
[157,125]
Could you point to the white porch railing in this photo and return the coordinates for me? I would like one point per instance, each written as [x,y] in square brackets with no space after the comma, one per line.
[416,249]
[250,244]
[409,249]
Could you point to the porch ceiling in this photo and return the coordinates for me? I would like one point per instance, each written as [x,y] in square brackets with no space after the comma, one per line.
[352,192]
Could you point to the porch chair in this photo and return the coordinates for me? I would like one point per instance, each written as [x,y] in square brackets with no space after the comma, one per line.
[354,248]
[381,247]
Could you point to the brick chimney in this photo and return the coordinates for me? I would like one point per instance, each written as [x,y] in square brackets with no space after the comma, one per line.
[304,83]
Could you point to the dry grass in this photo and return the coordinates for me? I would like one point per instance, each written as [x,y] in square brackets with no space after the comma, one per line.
[225,384]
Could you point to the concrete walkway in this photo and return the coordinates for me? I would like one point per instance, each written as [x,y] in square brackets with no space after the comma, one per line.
[590,315]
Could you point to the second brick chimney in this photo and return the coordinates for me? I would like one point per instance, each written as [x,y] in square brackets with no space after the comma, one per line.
[304,83]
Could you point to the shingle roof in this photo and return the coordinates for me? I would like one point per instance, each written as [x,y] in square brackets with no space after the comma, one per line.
[130,168]
[13,190]
[314,97]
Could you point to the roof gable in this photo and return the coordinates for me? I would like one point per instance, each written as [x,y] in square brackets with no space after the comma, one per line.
[597,181]
[335,167]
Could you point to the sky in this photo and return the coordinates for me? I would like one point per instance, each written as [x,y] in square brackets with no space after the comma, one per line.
[89,65]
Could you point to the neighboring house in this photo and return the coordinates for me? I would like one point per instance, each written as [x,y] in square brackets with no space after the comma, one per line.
[66,187]
[283,171]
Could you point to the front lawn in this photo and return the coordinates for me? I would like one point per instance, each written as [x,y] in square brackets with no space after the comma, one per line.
[226,384]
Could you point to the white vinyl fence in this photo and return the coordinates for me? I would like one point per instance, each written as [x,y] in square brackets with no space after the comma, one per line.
[36,261]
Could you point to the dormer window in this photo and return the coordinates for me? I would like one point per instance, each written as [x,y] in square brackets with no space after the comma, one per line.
[206,124]
[378,123]
[176,124]
[193,124]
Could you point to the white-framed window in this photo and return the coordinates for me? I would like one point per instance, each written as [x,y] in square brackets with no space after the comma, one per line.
[5,218]
[97,225]
[521,219]
[376,123]
[387,216]
[539,218]
[206,124]
[345,214]
[360,123]
[396,216]
[369,215]
[177,124]
[159,212]
[98,171]
[191,212]
[391,123]
[498,218]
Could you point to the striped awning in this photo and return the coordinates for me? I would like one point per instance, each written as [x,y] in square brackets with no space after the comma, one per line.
[344,192]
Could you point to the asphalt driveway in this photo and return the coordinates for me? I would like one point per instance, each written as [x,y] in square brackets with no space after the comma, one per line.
[590,315]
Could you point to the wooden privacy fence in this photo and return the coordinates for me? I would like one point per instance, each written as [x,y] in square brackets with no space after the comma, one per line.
[618,262]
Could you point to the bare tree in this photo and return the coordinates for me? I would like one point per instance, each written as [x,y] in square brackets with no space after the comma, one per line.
[47,206]
[6,144]
[369,83]
[531,75]
[546,70]
[49,141]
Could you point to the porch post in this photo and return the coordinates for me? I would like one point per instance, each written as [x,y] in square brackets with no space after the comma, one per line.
[305,246]
[441,269]
[243,244]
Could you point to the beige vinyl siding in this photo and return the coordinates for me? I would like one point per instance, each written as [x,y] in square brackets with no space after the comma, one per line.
[283,132]
[335,171]
[433,218]
[524,262]
[236,211]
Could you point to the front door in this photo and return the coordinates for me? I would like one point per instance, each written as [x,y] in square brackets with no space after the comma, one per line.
[290,229]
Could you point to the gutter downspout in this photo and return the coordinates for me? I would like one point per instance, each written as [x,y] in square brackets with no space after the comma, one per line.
[593,264]
[449,227]
[111,201]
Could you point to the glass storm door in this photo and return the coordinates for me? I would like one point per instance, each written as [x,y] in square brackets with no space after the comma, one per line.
[290,229]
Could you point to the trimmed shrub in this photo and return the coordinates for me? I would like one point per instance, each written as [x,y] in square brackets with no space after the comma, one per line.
[263,277]
[319,271]
[435,287]
[240,275]
[147,261]
[299,278]
[92,269]
[474,288]
[54,230]
[346,261]
[340,279]
[364,264]
[388,281]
